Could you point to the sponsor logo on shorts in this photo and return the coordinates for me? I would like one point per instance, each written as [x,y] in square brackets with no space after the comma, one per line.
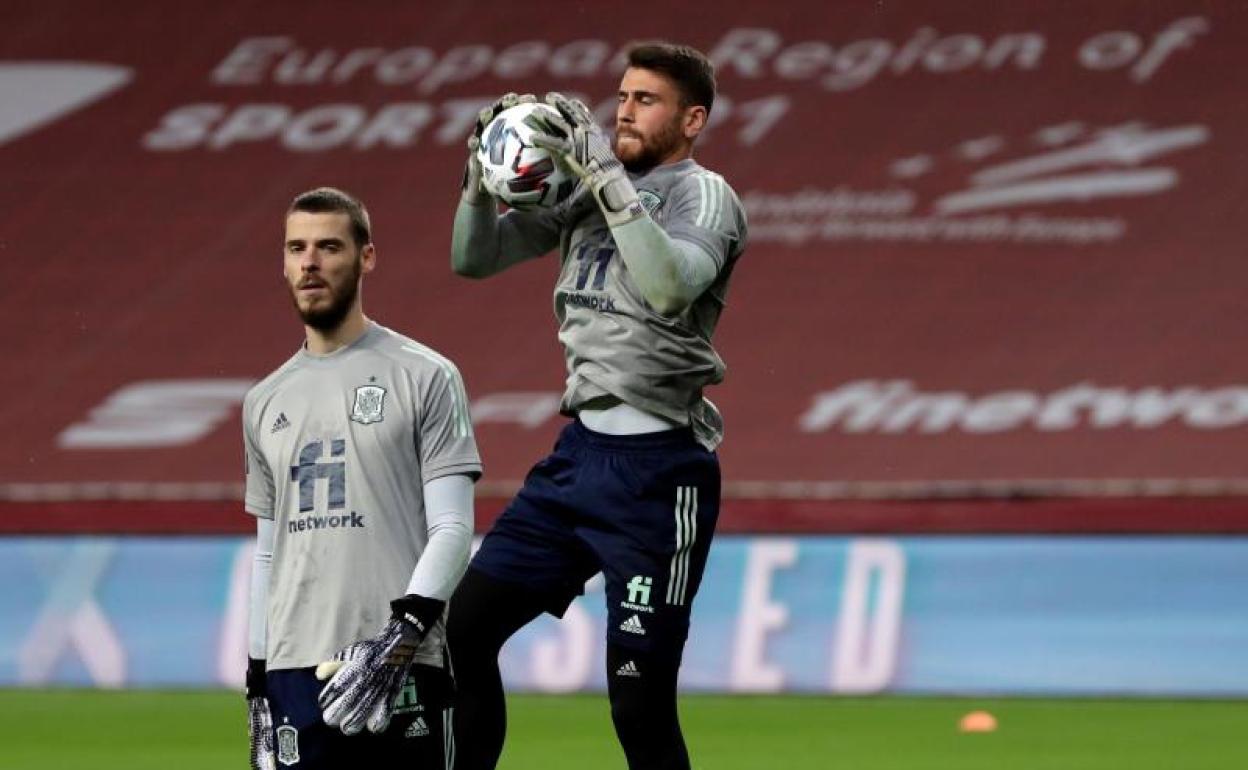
[288,745]
[639,589]
[408,702]
[629,669]
[633,626]
[639,594]
[417,729]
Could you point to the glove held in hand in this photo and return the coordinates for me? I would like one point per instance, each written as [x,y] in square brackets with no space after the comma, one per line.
[363,687]
[259,719]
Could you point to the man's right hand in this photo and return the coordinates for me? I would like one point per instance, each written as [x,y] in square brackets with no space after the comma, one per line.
[474,193]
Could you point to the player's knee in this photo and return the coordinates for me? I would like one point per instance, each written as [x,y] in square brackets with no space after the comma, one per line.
[484,612]
[469,609]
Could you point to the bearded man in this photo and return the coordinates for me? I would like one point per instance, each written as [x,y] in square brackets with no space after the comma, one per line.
[360,463]
[647,243]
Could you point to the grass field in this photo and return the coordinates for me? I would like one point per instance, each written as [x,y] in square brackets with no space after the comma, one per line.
[49,730]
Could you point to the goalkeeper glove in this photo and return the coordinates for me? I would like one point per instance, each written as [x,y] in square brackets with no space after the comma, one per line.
[585,150]
[365,677]
[474,193]
[259,720]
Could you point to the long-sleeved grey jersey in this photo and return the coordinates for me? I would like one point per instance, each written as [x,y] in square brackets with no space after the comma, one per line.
[615,344]
[338,449]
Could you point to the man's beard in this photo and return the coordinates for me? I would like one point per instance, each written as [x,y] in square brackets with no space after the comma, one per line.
[328,317]
[653,148]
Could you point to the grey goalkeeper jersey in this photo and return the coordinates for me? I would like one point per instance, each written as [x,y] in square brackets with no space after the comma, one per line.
[614,343]
[338,449]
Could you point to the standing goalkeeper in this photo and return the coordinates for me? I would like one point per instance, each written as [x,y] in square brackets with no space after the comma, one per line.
[647,244]
[360,464]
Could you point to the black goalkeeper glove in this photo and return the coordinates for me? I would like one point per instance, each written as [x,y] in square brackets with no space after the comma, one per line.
[259,720]
[365,677]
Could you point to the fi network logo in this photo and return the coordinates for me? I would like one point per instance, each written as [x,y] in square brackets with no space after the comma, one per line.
[34,94]
[639,590]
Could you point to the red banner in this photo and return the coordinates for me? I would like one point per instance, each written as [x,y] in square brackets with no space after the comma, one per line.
[995,248]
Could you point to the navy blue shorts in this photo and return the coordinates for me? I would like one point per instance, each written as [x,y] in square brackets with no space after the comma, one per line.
[641,509]
[416,736]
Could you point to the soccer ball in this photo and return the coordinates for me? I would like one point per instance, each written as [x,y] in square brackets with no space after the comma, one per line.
[513,169]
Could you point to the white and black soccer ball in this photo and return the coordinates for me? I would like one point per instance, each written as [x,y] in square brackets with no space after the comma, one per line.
[513,169]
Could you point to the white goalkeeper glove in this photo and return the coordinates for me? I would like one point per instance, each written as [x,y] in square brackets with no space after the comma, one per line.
[365,677]
[259,720]
[586,151]
[474,193]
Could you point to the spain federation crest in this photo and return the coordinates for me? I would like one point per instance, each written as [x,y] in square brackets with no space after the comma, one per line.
[369,404]
[287,745]
[650,201]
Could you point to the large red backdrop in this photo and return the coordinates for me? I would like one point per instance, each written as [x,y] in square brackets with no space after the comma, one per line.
[995,249]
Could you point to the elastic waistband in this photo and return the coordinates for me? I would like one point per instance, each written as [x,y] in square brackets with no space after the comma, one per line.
[675,438]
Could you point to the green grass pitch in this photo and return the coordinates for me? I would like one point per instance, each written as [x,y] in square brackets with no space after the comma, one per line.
[191,730]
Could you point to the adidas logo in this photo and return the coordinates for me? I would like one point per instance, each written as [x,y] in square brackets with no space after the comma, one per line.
[280,423]
[417,729]
[628,669]
[633,626]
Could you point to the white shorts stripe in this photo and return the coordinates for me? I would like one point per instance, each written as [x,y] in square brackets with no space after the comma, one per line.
[693,538]
[674,577]
[448,738]
[686,534]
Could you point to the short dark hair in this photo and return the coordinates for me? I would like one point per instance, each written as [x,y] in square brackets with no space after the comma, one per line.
[687,67]
[331,200]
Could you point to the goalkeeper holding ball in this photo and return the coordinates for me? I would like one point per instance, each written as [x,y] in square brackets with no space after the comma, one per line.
[360,464]
[647,243]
